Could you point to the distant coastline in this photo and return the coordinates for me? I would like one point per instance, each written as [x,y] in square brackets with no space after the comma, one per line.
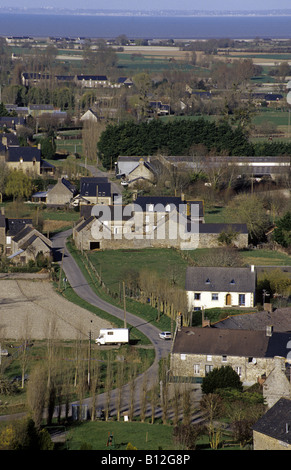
[145,13]
[146,27]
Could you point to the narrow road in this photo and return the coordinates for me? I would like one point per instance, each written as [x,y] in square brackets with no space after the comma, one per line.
[80,285]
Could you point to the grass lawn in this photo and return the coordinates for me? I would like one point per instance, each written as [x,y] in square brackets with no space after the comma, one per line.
[164,262]
[266,258]
[143,436]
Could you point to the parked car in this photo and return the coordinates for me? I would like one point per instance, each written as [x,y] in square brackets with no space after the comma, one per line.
[165,335]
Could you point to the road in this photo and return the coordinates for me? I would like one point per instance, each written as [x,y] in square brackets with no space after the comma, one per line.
[80,285]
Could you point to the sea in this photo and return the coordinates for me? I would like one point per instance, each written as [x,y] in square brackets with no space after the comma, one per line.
[145,27]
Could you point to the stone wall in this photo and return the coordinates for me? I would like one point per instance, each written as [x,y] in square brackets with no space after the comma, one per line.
[184,365]
[263,442]
[276,384]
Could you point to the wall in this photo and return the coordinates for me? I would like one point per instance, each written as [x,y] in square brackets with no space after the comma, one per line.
[206,299]
[263,442]
[183,366]
[59,194]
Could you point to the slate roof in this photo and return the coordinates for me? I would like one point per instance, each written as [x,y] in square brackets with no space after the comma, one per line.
[217,279]
[22,233]
[220,227]
[28,154]
[242,343]
[280,319]
[88,187]
[92,77]
[14,226]
[276,422]
[12,139]
[145,201]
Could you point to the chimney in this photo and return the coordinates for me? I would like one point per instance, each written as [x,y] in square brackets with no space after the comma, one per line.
[269,330]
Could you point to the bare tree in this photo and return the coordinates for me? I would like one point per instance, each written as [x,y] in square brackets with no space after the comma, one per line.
[36,393]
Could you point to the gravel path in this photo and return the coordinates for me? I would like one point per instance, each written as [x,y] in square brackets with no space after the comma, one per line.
[33,309]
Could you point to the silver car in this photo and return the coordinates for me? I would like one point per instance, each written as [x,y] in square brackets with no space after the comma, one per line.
[165,335]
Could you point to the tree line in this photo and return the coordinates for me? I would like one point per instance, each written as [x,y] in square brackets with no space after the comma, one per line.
[178,137]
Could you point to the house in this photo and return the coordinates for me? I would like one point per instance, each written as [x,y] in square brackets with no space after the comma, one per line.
[280,319]
[159,108]
[212,287]
[28,244]
[161,222]
[27,159]
[12,123]
[277,384]
[90,115]
[209,234]
[273,430]
[136,171]
[197,351]
[95,190]
[59,194]
[9,228]
[91,81]
[33,78]
[124,81]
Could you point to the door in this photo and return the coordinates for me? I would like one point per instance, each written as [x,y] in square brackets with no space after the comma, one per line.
[228,299]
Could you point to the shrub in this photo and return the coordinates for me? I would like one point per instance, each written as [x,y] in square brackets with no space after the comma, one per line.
[221,377]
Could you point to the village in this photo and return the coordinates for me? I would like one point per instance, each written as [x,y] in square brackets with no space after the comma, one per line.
[227,309]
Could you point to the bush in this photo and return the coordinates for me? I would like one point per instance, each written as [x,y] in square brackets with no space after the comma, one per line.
[221,377]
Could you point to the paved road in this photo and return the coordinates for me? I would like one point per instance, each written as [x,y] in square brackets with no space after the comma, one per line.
[82,288]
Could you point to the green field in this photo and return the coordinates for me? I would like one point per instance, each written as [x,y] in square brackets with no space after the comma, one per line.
[117,265]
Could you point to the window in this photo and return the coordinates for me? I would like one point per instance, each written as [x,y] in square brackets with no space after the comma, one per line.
[208,369]
[241,299]
[224,358]
[209,357]
[197,309]
[197,296]
[238,370]
[196,369]
[214,296]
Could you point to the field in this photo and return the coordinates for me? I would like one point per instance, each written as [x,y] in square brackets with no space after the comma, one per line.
[34,309]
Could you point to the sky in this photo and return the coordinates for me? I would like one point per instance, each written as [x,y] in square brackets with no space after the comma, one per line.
[153,4]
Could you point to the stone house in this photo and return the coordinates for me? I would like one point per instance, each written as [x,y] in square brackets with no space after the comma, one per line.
[220,287]
[26,159]
[95,190]
[148,222]
[59,194]
[273,430]
[143,173]
[91,81]
[197,351]
[28,244]
[9,228]
[89,115]
[277,385]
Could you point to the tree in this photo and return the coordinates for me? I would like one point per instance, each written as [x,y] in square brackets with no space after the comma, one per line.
[48,146]
[221,377]
[282,232]
[212,405]
[18,185]
[36,393]
[185,436]
[249,209]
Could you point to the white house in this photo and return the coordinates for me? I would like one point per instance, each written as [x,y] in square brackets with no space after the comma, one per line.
[211,287]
